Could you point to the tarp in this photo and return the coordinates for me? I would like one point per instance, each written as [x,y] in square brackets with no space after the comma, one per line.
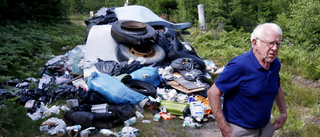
[113,90]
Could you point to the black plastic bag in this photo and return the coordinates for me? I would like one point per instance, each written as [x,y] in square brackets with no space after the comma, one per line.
[178,50]
[83,116]
[114,68]
[108,18]
[91,97]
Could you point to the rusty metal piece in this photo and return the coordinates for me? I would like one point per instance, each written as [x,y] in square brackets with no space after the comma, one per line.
[142,51]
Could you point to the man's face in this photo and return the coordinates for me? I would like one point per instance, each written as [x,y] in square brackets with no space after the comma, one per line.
[269,45]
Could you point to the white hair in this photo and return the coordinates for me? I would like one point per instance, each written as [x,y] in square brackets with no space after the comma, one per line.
[259,30]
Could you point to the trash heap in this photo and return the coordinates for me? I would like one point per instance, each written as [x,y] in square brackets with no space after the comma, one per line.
[169,84]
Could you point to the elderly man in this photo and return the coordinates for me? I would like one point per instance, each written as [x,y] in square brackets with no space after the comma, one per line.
[250,83]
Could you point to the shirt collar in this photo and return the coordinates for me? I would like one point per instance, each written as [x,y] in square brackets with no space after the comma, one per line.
[255,61]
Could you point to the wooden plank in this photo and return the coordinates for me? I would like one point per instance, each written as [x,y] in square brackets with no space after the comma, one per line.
[176,85]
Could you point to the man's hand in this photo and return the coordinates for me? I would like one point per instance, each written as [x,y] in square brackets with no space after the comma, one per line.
[214,95]
[226,130]
[278,122]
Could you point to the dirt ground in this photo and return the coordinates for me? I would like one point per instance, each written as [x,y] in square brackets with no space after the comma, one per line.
[315,87]
[209,129]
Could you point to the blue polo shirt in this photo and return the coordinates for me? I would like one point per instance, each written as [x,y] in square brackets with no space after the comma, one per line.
[249,90]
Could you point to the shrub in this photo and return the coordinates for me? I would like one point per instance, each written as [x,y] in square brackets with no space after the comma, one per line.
[301,24]
[40,10]
[26,47]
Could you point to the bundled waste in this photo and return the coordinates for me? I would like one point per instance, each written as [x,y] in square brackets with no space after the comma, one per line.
[169,79]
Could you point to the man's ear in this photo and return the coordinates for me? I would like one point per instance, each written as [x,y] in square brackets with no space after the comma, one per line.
[254,43]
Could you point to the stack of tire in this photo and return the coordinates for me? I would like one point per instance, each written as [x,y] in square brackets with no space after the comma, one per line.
[137,40]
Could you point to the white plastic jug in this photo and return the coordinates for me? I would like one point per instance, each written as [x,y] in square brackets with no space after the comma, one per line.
[196,110]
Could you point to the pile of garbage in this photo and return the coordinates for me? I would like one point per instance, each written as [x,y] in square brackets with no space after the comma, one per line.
[169,80]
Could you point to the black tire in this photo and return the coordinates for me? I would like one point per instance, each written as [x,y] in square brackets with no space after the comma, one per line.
[129,32]
[153,54]
[141,87]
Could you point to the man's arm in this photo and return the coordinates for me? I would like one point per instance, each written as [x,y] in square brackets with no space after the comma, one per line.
[279,122]
[214,95]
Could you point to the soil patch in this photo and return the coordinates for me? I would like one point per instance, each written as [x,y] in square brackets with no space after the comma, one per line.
[313,84]
[209,128]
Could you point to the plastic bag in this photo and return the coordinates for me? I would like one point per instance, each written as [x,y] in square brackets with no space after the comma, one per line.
[54,126]
[114,68]
[148,75]
[129,132]
[113,90]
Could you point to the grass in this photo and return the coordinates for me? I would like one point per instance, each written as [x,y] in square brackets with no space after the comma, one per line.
[15,122]
[27,46]
[302,100]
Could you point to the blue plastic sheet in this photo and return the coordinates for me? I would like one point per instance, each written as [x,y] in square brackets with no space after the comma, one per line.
[113,90]
[148,75]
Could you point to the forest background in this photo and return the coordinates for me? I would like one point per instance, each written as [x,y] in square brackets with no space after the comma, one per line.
[34,30]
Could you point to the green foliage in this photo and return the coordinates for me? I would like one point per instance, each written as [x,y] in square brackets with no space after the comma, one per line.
[92,5]
[84,6]
[15,122]
[73,6]
[301,62]
[158,6]
[117,3]
[301,24]
[242,14]
[26,47]
[309,130]
[187,11]
[301,96]
[40,10]
[219,46]
[20,50]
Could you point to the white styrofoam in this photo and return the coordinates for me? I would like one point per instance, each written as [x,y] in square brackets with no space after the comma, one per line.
[100,44]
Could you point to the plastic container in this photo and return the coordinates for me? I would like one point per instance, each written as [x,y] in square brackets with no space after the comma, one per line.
[87,132]
[189,119]
[145,121]
[75,128]
[106,132]
[139,115]
[156,117]
[174,108]
[197,110]
[64,108]
[72,103]
[191,124]
[130,121]
[100,108]
[191,99]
